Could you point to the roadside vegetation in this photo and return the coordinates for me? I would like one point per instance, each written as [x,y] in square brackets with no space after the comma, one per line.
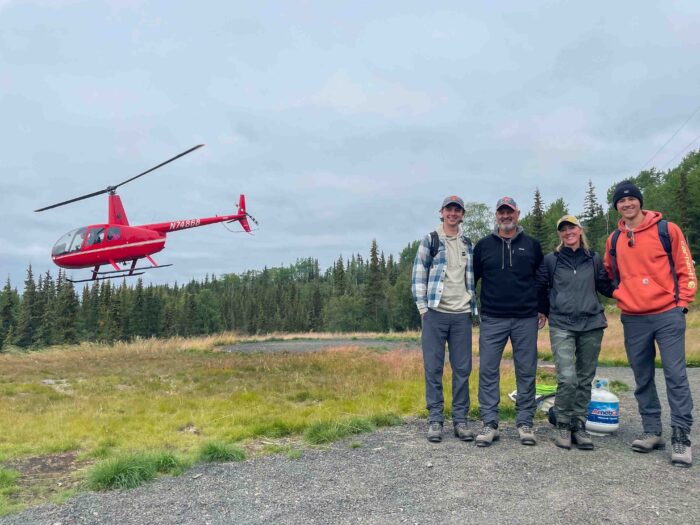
[125,413]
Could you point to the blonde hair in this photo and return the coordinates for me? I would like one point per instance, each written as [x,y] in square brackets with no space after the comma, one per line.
[584,242]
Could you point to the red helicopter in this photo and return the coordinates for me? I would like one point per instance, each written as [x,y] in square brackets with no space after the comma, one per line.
[117,242]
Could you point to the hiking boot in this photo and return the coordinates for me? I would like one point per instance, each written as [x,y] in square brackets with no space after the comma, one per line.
[435,432]
[681,455]
[527,436]
[462,432]
[580,437]
[648,441]
[487,435]
[562,436]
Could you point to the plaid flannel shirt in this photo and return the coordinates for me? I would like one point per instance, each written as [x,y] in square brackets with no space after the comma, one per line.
[426,284]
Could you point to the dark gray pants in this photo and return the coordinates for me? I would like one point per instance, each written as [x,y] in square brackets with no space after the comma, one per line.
[668,330]
[576,358]
[456,330]
[493,337]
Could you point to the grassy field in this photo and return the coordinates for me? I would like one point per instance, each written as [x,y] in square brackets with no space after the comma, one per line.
[104,416]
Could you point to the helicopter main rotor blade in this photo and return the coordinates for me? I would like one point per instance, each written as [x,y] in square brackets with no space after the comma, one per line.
[159,165]
[95,194]
[112,188]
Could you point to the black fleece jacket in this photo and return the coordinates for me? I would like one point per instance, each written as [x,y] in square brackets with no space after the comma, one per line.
[507,269]
[570,279]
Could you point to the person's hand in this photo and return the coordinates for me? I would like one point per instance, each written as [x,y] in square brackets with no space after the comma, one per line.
[541,321]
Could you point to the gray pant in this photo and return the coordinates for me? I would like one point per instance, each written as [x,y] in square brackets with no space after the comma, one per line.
[456,330]
[493,337]
[576,358]
[668,330]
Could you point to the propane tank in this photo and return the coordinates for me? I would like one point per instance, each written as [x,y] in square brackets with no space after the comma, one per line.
[603,409]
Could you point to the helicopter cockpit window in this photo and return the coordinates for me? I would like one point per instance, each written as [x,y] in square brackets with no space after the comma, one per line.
[70,242]
[113,233]
[78,240]
[96,236]
[62,244]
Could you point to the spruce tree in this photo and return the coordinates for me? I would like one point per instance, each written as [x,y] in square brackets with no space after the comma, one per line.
[374,291]
[9,306]
[339,277]
[593,219]
[538,226]
[66,310]
[28,318]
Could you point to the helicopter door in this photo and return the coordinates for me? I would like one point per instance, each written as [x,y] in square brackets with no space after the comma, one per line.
[114,233]
[95,236]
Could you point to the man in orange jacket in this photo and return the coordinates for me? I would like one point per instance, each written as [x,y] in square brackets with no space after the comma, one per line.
[654,283]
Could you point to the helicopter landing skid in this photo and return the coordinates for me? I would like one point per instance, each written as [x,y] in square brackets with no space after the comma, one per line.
[126,272]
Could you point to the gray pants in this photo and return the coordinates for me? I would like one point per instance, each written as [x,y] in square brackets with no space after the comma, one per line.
[576,358]
[668,330]
[456,330]
[493,337]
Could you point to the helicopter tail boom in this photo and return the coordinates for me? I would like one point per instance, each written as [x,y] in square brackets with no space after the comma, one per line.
[167,227]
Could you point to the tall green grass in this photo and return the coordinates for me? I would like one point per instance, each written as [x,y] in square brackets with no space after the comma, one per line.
[132,470]
[8,488]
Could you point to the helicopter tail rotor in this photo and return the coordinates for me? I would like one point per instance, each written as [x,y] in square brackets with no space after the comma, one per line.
[243,215]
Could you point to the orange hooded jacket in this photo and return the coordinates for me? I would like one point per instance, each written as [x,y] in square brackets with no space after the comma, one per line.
[646,284]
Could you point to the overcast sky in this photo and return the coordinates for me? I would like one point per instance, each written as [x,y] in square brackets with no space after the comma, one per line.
[341,122]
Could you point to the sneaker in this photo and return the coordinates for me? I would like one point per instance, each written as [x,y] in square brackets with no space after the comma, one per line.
[487,435]
[580,437]
[562,436]
[681,455]
[462,432]
[527,436]
[647,442]
[435,432]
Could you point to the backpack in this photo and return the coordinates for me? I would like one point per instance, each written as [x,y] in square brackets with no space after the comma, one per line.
[435,243]
[665,239]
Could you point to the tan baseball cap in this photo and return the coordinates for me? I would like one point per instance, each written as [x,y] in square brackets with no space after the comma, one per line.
[568,219]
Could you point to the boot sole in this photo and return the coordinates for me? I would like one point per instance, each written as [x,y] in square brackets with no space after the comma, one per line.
[643,450]
[563,447]
[435,439]
[486,443]
[681,464]
[471,438]
[584,447]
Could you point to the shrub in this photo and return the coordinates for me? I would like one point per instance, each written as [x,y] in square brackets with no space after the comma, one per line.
[218,451]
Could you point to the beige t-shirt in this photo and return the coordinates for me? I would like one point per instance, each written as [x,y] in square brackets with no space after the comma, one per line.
[455,298]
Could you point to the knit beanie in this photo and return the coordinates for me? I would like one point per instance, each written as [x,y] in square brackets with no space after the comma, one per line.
[627,189]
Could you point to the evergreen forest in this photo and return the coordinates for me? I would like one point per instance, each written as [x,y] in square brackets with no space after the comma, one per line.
[371,293]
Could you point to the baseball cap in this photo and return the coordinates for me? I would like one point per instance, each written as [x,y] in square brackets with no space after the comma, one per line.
[568,219]
[452,199]
[507,201]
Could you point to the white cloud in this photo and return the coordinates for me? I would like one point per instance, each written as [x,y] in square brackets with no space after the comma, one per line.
[342,93]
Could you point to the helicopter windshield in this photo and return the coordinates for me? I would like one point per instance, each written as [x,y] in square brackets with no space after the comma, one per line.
[70,242]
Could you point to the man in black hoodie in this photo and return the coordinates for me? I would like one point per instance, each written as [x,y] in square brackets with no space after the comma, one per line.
[506,261]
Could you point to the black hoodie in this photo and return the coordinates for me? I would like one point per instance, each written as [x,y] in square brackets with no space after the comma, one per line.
[507,270]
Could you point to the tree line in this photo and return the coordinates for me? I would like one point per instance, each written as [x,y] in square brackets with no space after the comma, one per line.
[353,294]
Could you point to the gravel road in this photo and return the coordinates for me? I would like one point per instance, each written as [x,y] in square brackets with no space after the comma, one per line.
[395,476]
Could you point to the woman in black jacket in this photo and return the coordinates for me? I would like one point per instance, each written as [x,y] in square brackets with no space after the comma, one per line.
[570,277]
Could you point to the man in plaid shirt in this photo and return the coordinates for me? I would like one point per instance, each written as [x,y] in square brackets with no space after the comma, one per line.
[443,288]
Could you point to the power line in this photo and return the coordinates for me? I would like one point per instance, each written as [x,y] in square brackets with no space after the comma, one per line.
[672,137]
[681,152]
